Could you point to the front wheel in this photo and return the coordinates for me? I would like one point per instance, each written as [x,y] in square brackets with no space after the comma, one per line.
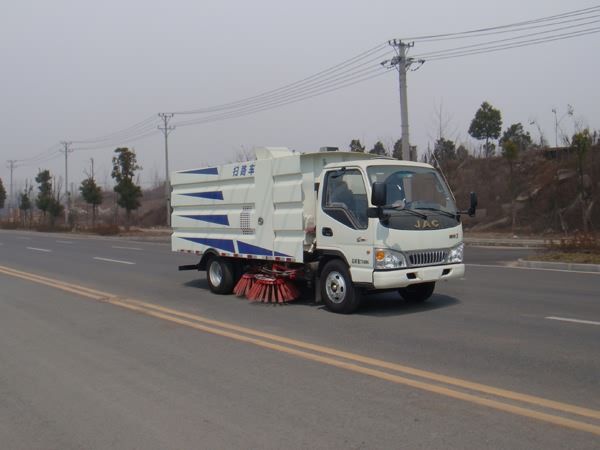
[220,275]
[337,290]
[417,293]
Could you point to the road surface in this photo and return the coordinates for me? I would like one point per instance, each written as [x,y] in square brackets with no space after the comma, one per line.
[104,344]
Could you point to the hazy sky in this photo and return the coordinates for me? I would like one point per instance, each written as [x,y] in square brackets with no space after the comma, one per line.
[78,70]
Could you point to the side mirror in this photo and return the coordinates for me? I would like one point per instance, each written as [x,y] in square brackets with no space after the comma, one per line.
[473,207]
[378,193]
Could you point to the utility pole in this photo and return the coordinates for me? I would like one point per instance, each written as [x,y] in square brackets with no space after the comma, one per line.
[11,166]
[67,194]
[166,129]
[403,64]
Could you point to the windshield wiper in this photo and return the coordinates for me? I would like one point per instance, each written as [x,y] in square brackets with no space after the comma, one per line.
[403,208]
[441,211]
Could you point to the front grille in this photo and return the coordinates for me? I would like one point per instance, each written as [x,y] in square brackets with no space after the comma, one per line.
[427,258]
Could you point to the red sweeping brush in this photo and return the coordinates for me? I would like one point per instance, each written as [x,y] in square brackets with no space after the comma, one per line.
[269,289]
[244,285]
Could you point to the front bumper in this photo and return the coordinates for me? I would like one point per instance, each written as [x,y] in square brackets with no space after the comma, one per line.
[393,279]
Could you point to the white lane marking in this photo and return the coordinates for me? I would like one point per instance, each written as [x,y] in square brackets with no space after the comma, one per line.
[24,238]
[64,242]
[498,266]
[39,249]
[566,319]
[112,260]
[126,248]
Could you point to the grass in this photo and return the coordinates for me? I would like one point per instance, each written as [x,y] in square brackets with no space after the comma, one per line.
[579,249]
[578,258]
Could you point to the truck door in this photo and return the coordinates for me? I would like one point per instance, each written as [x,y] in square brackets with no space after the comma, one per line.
[342,222]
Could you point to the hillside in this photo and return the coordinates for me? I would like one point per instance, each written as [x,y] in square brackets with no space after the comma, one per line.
[544,193]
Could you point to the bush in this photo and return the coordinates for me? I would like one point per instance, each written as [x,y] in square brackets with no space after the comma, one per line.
[9,225]
[578,243]
[106,230]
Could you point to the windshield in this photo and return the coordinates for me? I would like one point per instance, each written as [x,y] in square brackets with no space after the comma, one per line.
[413,188]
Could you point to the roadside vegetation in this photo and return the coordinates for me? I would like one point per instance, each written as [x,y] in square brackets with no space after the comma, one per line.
[525,187]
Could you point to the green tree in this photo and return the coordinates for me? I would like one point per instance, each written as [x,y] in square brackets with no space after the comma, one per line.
[356,146]
[515,133]
[582,143]
[25,205]
[397,151]
[129,193]
[44,197]
[487,125]
[55,208]
[378,149]
[2,194]
[462,153]
[92,195]
[444,150]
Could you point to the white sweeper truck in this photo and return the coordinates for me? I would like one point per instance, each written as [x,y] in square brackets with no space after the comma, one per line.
[344,223]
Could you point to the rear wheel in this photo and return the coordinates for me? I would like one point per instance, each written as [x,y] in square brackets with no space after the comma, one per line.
[417,293]
[337,290]
[220,275]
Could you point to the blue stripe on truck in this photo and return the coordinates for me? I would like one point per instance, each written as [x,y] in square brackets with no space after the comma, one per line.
[220,219]
[249,249]
[207,171]
[221,244]
[212,195]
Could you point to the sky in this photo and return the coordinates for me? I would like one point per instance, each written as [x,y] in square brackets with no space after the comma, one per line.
[97,73]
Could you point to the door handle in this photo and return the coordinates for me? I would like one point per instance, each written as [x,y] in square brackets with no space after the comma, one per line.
[326,231]
[361,239]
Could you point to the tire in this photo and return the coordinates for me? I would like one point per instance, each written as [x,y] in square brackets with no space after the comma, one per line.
[220,275]
[417,293]
[337,290]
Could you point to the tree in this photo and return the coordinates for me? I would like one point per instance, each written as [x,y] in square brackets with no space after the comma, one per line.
[129,193]
[582,143]
[397,151]
[462,153]
[356,146]
[44,197]
[55,208]
[92,195]
[516,134]
[487,125]
[378,149]
[48,199]
[25,205]
[444,150]
[2,194]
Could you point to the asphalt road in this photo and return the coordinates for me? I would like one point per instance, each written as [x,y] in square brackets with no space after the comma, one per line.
[104,344]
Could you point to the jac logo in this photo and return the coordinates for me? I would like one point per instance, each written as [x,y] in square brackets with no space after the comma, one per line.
[422,224]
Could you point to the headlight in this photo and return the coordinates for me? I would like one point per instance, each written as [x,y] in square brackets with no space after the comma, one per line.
[456,254]
[388,259]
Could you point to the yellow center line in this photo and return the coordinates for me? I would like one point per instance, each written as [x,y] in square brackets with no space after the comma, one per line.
[256,337]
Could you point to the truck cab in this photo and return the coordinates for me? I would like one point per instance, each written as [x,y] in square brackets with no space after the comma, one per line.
[385,224]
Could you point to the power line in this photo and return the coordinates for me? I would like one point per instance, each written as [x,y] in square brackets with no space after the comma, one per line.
[494,48]
[289,99]
[288,87]
[142,134]
[149,121]
[437,37]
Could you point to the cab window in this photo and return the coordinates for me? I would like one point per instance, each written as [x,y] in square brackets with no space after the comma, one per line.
[345,198]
